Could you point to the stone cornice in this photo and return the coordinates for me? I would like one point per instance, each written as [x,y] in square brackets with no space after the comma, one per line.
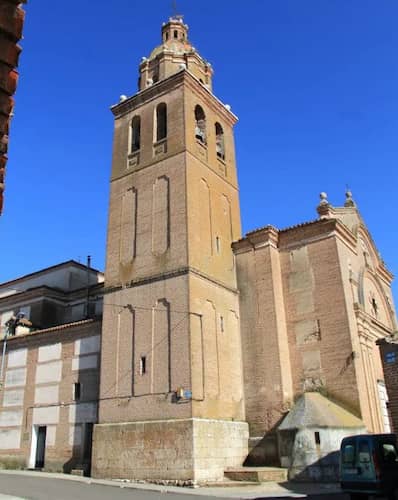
[168,84]
[379,330]
[299,235]
[267,236]
[182,271]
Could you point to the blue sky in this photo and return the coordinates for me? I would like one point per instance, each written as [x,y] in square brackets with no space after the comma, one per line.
[314,83]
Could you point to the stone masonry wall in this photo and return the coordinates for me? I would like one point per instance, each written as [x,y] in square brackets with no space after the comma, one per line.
[181,450]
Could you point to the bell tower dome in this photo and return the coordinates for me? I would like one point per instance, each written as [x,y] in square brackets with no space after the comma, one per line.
[174,54]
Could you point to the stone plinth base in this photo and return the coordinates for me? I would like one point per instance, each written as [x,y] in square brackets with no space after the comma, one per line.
[181,450]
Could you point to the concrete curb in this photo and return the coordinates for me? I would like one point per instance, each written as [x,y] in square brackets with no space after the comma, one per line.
[269,489]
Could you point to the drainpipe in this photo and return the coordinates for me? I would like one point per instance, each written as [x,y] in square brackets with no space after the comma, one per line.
[88,286]
[3,357]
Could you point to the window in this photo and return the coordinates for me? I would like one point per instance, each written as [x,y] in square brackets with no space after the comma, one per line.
[155,75]
[142,365]
[167,35]
[200,124]
[364,452]
[317,438]
[161,122]
[218,245]
[389,453]
[175,34]
[391,357]
[222,324]
[135,134]
[348,454]
[220,147]
[77,391]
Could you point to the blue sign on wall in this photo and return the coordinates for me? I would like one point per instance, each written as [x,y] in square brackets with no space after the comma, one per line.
[391,357]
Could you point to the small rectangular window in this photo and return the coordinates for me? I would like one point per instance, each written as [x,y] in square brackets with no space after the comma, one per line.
[391,357]
[348,454]
[218,245]
[222,324]
[77,390]
[143,365]
[364,452]
[317,438]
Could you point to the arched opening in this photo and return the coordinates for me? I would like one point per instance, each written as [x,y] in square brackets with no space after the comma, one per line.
[220,146]
[155,75]
[200,124]
[161,121]
[135,134]
[175,34]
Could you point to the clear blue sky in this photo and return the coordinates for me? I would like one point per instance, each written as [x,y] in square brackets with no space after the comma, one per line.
[314,83]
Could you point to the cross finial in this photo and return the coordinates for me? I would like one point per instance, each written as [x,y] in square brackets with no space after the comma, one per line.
[175,14]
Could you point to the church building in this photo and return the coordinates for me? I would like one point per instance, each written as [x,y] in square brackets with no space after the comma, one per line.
[216,349]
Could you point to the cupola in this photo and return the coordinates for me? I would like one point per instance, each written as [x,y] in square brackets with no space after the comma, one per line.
[175,54]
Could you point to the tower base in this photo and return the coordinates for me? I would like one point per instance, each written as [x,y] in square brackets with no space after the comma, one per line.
[195,450]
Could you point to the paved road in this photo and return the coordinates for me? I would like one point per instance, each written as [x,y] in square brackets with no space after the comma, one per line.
[16,486]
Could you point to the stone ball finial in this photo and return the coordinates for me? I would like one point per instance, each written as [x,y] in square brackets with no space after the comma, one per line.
[324,198]
[324,207]
[123,98]
[349,202]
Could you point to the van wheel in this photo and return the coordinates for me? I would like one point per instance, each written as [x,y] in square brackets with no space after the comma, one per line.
[393,495]
[359,496]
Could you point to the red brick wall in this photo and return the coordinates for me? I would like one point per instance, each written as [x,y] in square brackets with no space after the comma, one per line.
[389,356]
[11,24]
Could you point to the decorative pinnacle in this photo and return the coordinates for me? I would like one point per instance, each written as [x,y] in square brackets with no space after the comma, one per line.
[324,198]
[323,208]
[349,202]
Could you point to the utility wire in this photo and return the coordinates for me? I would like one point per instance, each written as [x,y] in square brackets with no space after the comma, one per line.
[132,306]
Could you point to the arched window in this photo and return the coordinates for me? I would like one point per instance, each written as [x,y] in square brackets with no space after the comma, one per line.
[135,133]
[175,34]
[161,121]
[220,146]
[200,124]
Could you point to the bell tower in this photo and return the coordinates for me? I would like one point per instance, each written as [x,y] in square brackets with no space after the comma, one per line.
[171,391]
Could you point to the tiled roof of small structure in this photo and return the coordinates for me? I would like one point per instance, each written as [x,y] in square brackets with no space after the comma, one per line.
[289,228]
[313,409]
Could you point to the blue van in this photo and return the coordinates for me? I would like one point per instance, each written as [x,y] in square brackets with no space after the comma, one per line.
[369,466]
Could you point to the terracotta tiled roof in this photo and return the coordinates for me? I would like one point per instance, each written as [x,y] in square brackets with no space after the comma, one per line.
[289,228]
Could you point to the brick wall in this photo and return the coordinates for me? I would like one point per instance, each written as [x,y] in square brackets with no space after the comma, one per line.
[41,371]
[11,24]
[389,356]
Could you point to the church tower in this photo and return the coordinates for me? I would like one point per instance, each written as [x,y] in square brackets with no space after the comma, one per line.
[171,391]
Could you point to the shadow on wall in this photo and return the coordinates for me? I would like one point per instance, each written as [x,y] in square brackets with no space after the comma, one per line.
[325,469]
[264,451]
